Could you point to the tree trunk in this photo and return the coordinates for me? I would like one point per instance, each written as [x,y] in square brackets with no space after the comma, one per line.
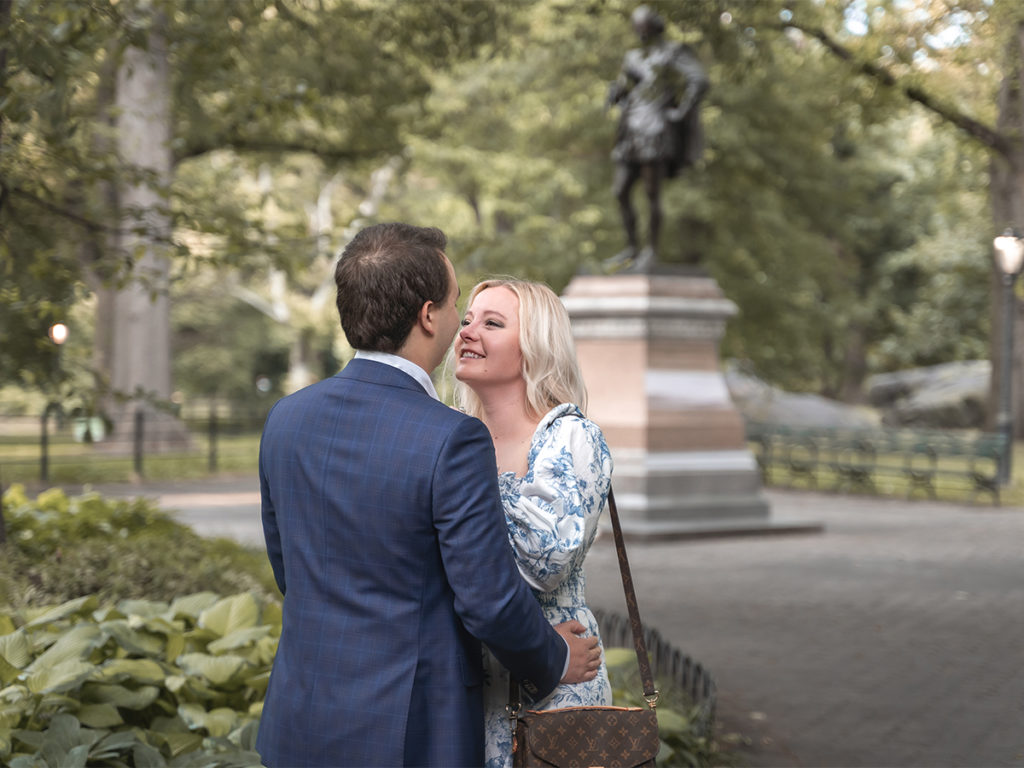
[93,247]
[141,349]
[1006,190]
[855,365]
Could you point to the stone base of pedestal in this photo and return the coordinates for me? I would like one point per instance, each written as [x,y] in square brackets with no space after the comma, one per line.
[693,493]
[648,347]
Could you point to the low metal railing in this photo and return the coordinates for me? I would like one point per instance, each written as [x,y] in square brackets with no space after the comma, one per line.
[958,462]
[55,447]
[667,663]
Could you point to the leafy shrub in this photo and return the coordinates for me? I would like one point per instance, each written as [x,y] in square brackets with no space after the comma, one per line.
[62,547]
[155,679]
[683,742]
[143,683]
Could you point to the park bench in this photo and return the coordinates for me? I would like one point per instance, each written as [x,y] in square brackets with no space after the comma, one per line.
[860,459]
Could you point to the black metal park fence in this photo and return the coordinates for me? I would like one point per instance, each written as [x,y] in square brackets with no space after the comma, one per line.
[59,448]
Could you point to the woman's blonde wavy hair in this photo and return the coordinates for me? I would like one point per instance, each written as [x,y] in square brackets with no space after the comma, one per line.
[550,368]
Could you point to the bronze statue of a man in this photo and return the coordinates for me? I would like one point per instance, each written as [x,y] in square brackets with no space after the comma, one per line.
[658,91]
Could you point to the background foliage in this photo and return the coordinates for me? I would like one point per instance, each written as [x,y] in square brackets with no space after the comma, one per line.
[849,224]
[61,548]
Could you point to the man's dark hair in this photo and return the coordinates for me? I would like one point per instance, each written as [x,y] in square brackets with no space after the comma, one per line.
[384,276]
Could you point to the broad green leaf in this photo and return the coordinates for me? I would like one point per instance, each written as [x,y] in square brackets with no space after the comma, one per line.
[70,608]
[245,737]
[106,613]
[266,649]
[137,670]
[8,672]
[66,743]
[61,677]
[133,642]
[117,743]
[119,695]
[15,693]
[52,701]
[217,722]
[175,646]
[217,669]
[75,644]
[144,756]
[175,683]
[200,637]
[162,625]
[76,757]
[35,739]
[193,688]
[238,639]
[11,714]
[178,743]
[6,625]
[99,715]
[191,606]
[5,741]
[16,649]
[259,682]
[146,609]
[273,615]
[230,614]
[28,761]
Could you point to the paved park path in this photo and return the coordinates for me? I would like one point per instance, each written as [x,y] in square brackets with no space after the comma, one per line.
[895,637]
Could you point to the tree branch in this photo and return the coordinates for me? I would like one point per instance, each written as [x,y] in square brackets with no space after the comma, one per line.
[92,226]
[245,145]
[977,130]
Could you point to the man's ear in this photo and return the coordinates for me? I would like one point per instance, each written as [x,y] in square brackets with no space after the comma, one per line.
[427,318]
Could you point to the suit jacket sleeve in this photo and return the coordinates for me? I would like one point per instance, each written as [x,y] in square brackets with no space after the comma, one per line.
[491,598]
[271,534]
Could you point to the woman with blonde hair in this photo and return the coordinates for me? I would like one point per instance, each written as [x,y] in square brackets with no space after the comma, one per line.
[516,370]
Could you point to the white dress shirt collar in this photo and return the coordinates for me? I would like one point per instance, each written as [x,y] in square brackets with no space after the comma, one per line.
[406,366]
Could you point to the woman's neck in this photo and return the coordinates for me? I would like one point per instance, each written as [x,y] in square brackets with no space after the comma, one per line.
[505,413]
[511,425]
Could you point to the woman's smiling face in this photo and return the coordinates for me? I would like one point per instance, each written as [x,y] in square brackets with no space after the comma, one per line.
[487,348]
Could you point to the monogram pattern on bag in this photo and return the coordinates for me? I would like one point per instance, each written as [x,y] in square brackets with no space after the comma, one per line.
[611,737]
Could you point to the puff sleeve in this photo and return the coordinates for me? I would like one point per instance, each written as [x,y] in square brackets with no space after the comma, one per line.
[552,514]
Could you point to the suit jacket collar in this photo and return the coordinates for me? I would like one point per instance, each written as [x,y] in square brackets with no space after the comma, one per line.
[380,373]
[406,366]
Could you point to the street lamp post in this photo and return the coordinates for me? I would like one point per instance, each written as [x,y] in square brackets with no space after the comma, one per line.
[1009,252]
[58,334]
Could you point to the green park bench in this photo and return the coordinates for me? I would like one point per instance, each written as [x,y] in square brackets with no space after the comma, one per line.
[861,459]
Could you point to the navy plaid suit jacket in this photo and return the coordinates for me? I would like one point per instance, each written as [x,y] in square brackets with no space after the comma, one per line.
[387,538]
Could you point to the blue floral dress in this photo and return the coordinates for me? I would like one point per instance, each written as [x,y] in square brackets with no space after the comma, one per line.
[552,514]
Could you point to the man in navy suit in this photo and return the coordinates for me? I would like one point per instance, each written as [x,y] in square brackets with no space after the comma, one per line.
[387,538]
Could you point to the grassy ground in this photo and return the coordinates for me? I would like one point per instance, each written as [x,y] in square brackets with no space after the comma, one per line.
[73,462]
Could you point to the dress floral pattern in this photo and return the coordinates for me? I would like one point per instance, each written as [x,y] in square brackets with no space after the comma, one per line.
[552,516]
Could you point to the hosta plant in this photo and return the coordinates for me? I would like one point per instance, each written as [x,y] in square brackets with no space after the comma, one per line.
[139,683]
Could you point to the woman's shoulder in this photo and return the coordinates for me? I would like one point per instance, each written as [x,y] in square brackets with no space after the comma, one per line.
[566,422]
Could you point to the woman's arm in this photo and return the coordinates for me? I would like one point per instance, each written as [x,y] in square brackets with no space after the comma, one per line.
[556,512]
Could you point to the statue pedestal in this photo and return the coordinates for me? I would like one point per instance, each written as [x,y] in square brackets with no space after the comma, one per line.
[648,346]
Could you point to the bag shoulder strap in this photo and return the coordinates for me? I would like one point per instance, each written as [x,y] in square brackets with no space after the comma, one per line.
[642,658]
[639,644]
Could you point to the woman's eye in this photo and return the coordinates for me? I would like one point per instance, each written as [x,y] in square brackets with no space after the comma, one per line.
[494,324]
[464,322]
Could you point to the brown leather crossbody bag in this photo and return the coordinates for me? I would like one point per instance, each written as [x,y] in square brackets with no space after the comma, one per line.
[611,737]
